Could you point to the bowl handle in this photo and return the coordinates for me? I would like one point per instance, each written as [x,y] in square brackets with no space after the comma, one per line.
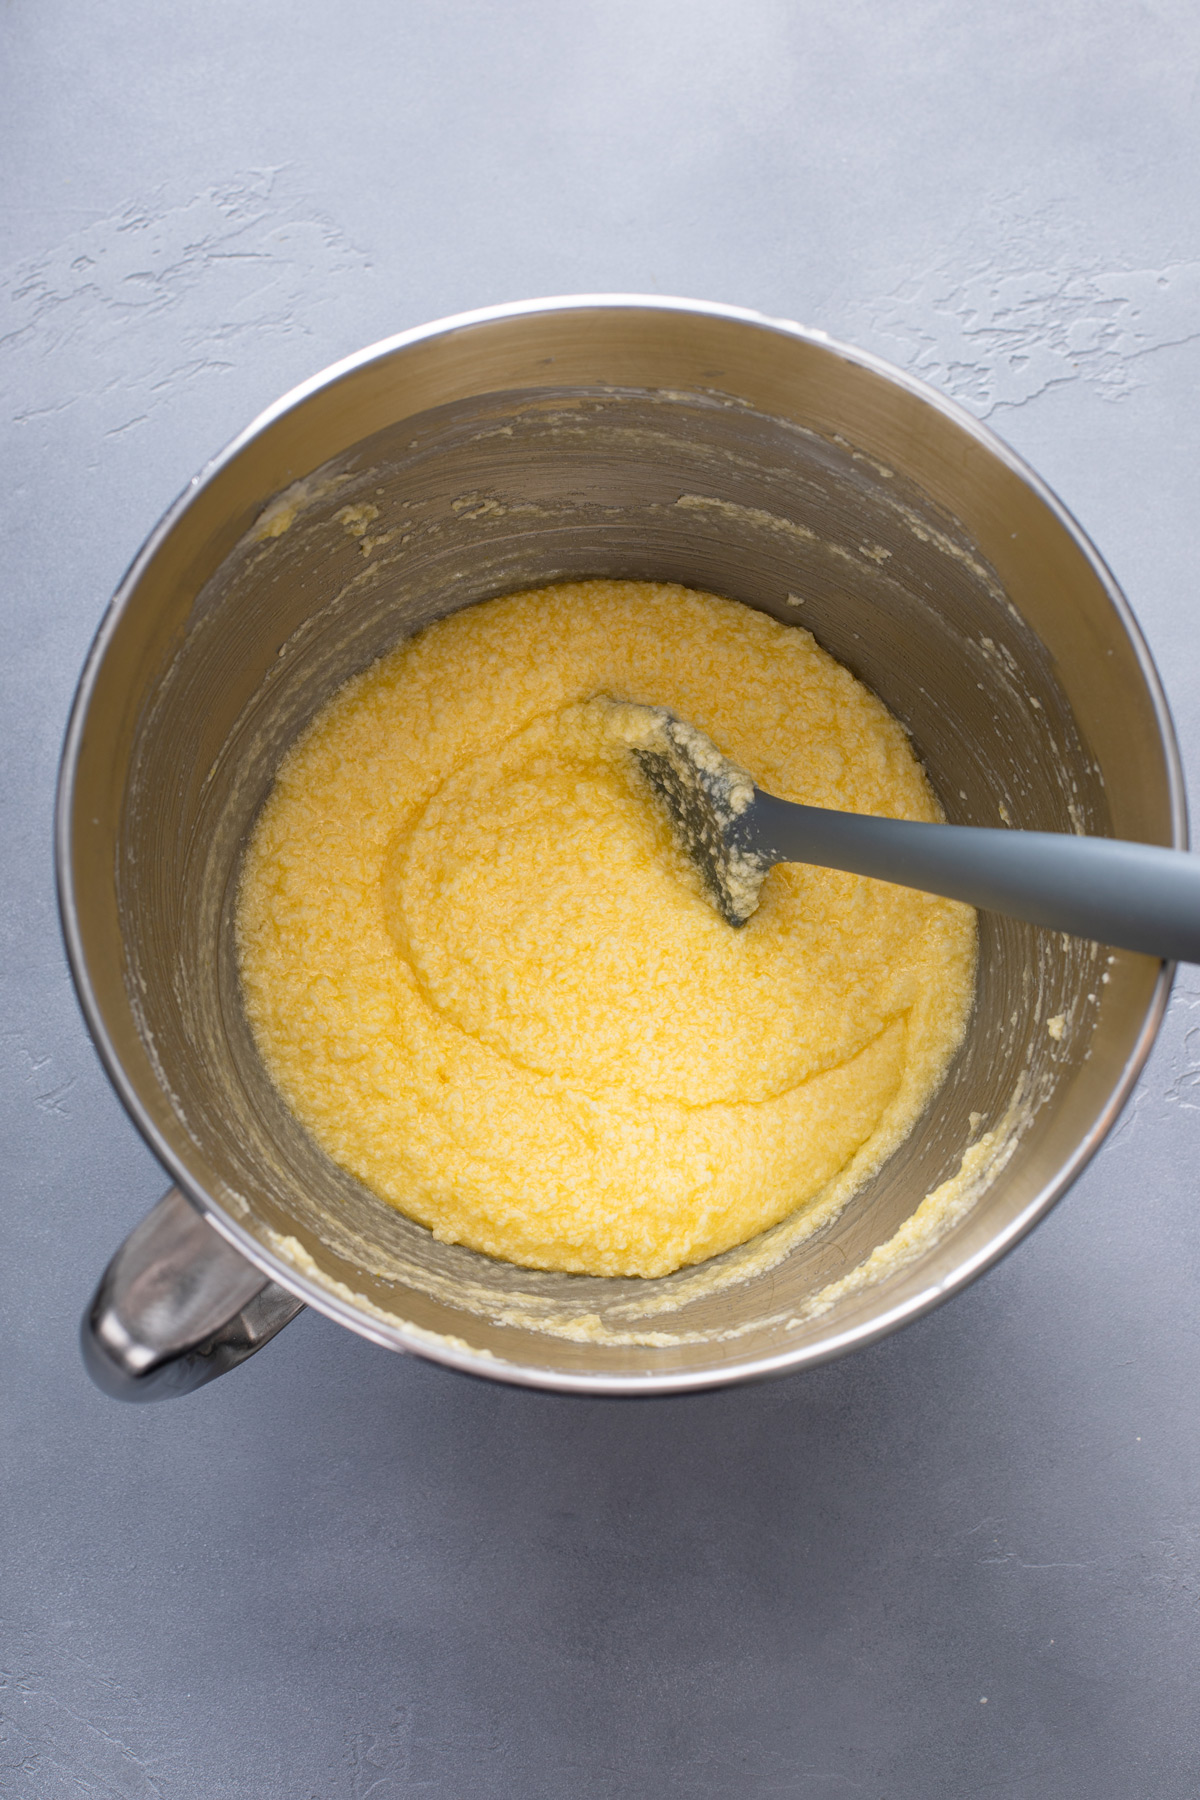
[177,1306]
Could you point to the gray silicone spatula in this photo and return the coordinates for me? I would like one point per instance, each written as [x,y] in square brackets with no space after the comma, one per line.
[1135,896]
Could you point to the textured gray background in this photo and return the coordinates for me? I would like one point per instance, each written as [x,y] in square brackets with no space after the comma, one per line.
[964,1563]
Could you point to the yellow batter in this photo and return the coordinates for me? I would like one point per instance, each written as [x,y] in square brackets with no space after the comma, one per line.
[484,978]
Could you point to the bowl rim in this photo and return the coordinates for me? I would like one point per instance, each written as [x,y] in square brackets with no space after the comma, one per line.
[414,1339]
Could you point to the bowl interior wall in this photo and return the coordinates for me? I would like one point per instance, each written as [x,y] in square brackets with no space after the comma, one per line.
[518,489]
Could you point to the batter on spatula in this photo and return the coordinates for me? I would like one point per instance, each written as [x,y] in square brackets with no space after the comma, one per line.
[490,985]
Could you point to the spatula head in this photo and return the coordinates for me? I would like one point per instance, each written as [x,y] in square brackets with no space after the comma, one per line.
[707,799]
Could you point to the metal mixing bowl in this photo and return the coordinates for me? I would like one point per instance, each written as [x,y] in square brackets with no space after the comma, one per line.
[596,436]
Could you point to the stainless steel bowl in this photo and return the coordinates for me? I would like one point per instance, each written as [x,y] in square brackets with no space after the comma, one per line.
[617,436]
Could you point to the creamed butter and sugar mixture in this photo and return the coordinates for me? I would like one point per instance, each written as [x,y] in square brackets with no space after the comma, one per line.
[486,981]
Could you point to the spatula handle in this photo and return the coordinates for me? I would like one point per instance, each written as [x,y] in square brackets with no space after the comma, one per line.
[1136,896]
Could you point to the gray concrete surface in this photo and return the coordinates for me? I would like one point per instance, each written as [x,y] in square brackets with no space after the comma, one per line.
[964,1563]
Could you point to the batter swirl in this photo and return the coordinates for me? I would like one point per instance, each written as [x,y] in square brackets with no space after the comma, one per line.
[489,985]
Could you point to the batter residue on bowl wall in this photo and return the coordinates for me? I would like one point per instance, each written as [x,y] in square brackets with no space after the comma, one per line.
[485,980]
